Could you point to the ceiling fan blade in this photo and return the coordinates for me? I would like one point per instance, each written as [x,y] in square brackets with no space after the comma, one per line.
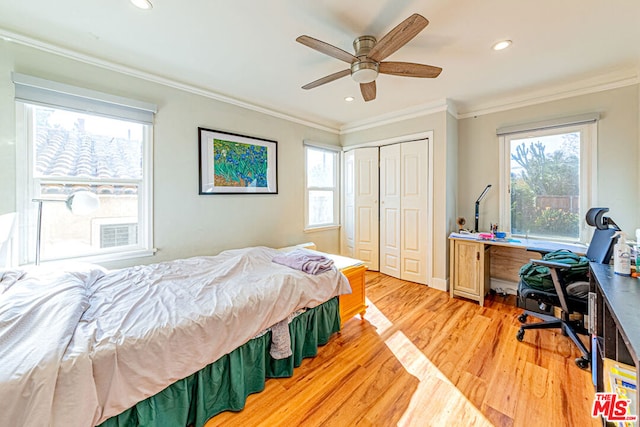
[327,79]
[327,49]
[398,37]
[368,90]
[409,69]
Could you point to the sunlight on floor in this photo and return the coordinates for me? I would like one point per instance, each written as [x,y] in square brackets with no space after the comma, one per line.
[436,398]
[376,318]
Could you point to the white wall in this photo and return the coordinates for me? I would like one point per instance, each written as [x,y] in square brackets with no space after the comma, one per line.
[618,142]
[185,223]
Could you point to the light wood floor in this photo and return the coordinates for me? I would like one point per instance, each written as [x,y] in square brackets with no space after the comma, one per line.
[420,358]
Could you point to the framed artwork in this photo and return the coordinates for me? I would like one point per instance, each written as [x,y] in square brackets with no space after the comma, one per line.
[237,164]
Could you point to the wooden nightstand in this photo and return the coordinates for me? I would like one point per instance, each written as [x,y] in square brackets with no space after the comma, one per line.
[353,303]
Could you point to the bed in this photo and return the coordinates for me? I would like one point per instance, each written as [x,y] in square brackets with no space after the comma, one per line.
[172,343]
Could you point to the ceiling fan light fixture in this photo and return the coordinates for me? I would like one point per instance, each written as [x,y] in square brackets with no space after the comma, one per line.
[364,71]
[349,99]
[142,4]
[502,44]
[369,57]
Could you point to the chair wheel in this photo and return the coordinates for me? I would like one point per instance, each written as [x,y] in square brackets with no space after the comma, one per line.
[523,318]
[520,335]
[582,363]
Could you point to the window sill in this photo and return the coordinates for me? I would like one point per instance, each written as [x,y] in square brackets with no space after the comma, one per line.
[552,245]
[321,228]
[97,259]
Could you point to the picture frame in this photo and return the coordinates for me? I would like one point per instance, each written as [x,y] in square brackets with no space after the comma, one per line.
[236,164]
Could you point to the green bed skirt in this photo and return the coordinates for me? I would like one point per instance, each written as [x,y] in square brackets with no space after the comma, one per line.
[225,384]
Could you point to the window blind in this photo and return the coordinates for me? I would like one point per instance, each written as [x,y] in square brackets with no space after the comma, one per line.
[549,124]
[36,90]
[313,144]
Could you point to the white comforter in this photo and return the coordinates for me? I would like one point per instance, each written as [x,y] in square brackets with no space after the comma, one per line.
[78,348]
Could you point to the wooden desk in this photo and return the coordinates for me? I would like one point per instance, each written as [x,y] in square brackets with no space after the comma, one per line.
[614,320]
[473,262]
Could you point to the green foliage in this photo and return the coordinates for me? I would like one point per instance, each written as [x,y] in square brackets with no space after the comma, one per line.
[523,203]
[556,222]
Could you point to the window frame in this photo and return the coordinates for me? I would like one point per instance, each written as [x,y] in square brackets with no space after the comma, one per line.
[336,154]
[39,92]
[588,170]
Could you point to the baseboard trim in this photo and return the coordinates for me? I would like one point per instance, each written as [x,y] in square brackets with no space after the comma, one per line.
[440,284]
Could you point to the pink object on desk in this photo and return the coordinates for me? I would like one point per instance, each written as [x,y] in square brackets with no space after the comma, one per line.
[485,236]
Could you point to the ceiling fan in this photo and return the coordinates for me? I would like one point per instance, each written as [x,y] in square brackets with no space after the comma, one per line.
[369,55]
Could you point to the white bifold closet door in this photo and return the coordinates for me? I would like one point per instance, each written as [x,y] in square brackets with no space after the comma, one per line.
[390,210]
[403,206]
[361,214]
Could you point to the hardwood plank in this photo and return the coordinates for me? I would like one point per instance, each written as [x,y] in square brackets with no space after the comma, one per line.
[422,358]
[536,385]
[474,388]
[498,418]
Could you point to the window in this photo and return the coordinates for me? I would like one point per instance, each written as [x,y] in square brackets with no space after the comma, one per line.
[321,199]
[549,179]
[63,149]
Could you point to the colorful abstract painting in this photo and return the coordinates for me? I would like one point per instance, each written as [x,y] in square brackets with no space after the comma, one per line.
[239,165]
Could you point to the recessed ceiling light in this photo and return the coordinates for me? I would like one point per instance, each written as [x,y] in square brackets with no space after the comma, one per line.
[142,4]
[349,98]
[503,44]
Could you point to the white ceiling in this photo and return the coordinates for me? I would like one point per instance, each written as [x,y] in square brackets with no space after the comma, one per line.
[246,49]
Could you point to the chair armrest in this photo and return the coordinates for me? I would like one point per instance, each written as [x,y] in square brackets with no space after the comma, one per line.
[551,264]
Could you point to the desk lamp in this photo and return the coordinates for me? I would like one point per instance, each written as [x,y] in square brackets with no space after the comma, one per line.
[79,203]
[484,192]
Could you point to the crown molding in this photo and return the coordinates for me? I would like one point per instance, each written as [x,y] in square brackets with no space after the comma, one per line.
[613,80]
[108,65]
[397,116]
[394,140]
[451,108]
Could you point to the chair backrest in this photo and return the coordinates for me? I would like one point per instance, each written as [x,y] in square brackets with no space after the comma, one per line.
[600,250]
[601,246]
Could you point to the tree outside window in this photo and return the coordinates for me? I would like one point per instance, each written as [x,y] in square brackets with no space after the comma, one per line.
[545,186]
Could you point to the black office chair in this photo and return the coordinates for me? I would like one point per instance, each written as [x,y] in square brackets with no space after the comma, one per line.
[570,297]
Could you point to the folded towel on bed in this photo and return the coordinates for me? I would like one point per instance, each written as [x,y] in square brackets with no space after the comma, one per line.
[304,260]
